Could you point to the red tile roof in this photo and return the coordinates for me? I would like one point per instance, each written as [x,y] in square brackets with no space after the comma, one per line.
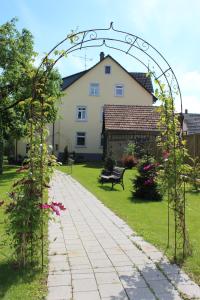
[131,117]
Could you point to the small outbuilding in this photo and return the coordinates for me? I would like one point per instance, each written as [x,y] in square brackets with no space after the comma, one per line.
[129,123]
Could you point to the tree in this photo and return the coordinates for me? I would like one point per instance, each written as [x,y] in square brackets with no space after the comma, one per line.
[16,66]
[17,72]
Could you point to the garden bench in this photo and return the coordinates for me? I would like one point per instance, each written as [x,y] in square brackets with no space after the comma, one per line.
[116,177]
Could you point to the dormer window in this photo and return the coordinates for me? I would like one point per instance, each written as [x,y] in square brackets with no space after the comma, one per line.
[107,69]
[119,90]
[94,89]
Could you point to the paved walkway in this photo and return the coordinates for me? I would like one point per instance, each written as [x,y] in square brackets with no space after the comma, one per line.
[94,255]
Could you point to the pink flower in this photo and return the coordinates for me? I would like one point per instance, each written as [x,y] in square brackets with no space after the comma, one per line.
[59,204]
[148,167]
[165,154]
[148,181]
[54,209]
[54,206]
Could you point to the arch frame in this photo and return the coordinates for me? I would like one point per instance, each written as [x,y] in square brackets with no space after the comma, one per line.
[149,57]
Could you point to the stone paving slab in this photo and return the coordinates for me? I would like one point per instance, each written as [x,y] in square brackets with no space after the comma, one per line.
[94,255]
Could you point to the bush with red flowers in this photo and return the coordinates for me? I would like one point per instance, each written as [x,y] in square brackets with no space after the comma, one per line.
[145,185]
[129,161]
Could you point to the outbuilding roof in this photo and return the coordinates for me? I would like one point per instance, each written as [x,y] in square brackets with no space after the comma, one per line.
[131,117]
[193,122]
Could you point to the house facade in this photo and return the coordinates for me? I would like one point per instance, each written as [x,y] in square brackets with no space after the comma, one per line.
[79,125]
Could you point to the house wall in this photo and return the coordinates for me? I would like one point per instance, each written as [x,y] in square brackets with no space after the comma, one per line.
[117,141]
[193,144]
[78,95]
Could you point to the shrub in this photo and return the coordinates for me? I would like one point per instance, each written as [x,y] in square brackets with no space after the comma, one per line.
[65,155]
[129,161]
[130,149]
[145,184]
[109,164]
[194,173]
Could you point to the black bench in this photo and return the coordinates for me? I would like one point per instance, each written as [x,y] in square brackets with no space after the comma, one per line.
[116,177]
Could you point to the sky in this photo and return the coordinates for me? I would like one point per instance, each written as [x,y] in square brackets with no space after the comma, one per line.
[171,26]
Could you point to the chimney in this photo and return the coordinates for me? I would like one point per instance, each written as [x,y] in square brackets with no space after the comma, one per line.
[101,56]
[186,111]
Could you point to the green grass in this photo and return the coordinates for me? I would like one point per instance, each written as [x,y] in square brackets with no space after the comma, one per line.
[148,219]
[14,283]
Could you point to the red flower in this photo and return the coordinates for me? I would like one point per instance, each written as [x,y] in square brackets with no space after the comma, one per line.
[165,154]
[44,206]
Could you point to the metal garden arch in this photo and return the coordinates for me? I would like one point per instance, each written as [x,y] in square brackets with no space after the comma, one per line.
[142,52]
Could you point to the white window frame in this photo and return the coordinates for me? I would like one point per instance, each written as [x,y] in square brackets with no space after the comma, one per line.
[94,89]
[117,87]
[78,109]
[83,135]
[105,69]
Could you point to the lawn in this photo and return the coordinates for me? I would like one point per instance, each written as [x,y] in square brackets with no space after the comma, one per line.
[15,283]
[148,219]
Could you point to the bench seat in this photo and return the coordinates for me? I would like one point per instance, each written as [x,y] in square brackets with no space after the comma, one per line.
[116,177]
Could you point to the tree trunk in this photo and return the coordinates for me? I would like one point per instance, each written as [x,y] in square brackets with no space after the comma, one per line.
[1,145]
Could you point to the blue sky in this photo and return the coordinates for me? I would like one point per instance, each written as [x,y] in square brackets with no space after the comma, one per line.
[172,26]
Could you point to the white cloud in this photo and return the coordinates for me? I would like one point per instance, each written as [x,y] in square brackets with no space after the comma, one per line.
[190,82]
[192,103]
[190,89]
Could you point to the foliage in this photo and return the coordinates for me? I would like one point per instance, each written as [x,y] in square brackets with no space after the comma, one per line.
[16,283]
[129,161]
[65,155]
[37,102]
[109,164]
[17,83]
[194,173]
[24,211]
[145,184]
[174,167]
[130,149]
[16,59]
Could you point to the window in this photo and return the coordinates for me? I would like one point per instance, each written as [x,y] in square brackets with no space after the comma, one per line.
[80,139]
[81,113]
[119,90]
[107,69]
[94,89]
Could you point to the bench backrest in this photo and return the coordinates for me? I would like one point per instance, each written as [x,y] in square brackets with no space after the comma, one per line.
[118,172]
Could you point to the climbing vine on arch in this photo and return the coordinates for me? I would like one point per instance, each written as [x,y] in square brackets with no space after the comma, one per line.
[172,174]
